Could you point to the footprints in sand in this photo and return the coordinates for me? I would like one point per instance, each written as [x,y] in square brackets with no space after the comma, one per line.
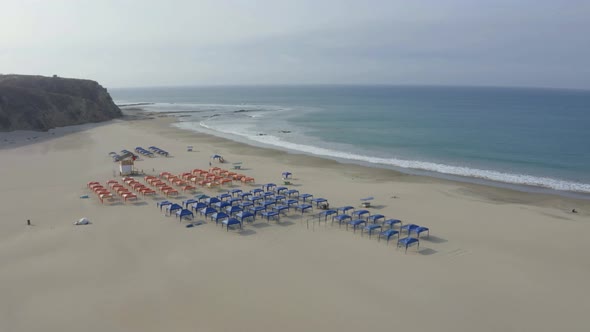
[456,253]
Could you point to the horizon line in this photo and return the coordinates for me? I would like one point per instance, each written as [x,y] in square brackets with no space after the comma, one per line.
[271,85]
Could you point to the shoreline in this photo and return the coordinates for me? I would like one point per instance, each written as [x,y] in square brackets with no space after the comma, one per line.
[474,185]
[481,180]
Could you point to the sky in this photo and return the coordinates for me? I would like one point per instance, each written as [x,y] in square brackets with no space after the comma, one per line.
[128,43]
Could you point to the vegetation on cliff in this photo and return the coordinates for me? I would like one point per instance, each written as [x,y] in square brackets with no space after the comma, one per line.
[41,103]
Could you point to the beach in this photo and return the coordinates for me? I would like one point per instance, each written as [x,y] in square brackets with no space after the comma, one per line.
[495,259]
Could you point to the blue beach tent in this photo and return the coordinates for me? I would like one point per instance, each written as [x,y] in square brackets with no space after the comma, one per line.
[230,222]
[233,209]
[256,209]
[173,207]
[280,208]
[221,204]
[212,200]
[207,211]
[360,213]
[268,186]
[375,218]
[421,229]
[256,191]
[198,206]
[327,213]
[184,213]
[202,197]
[286,175]
[318,201]
[388,233]
[341,218]
[245,204]
[355,223]
[217,216]
[304,197]
[408,228]
[278,190]
[303,207]
[245,215]
[189,201]
[233,201]
[290,202]
[370,228]
[392,222]
[270,214]
[292,192]
[162,204]
[345,209]
[235,192]
[224,196]
[407,242]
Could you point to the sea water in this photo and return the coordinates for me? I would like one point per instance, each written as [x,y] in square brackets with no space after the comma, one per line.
[531,138]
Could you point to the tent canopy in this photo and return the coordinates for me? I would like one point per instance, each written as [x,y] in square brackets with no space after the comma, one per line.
[184,213]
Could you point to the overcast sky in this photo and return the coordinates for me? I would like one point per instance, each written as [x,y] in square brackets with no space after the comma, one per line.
[124,43]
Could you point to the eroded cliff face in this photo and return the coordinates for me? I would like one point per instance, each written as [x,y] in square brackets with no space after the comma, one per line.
[41,103]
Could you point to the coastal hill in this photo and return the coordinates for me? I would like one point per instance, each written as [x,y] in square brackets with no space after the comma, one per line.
[41,103]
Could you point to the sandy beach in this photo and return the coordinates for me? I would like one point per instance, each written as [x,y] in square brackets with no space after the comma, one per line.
[495,260]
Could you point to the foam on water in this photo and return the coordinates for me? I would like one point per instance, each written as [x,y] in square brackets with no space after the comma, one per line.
[236,133]
[525,139]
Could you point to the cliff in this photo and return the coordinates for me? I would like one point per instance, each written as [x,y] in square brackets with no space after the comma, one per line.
[42,103]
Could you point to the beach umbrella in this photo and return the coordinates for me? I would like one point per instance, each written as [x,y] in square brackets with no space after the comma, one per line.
[286,175]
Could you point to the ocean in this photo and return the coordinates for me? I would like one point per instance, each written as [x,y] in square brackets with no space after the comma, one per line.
[526,139]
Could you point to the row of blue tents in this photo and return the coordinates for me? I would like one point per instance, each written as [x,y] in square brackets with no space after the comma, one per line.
[180,213]
[159,151]
[236,206]
[143,151]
